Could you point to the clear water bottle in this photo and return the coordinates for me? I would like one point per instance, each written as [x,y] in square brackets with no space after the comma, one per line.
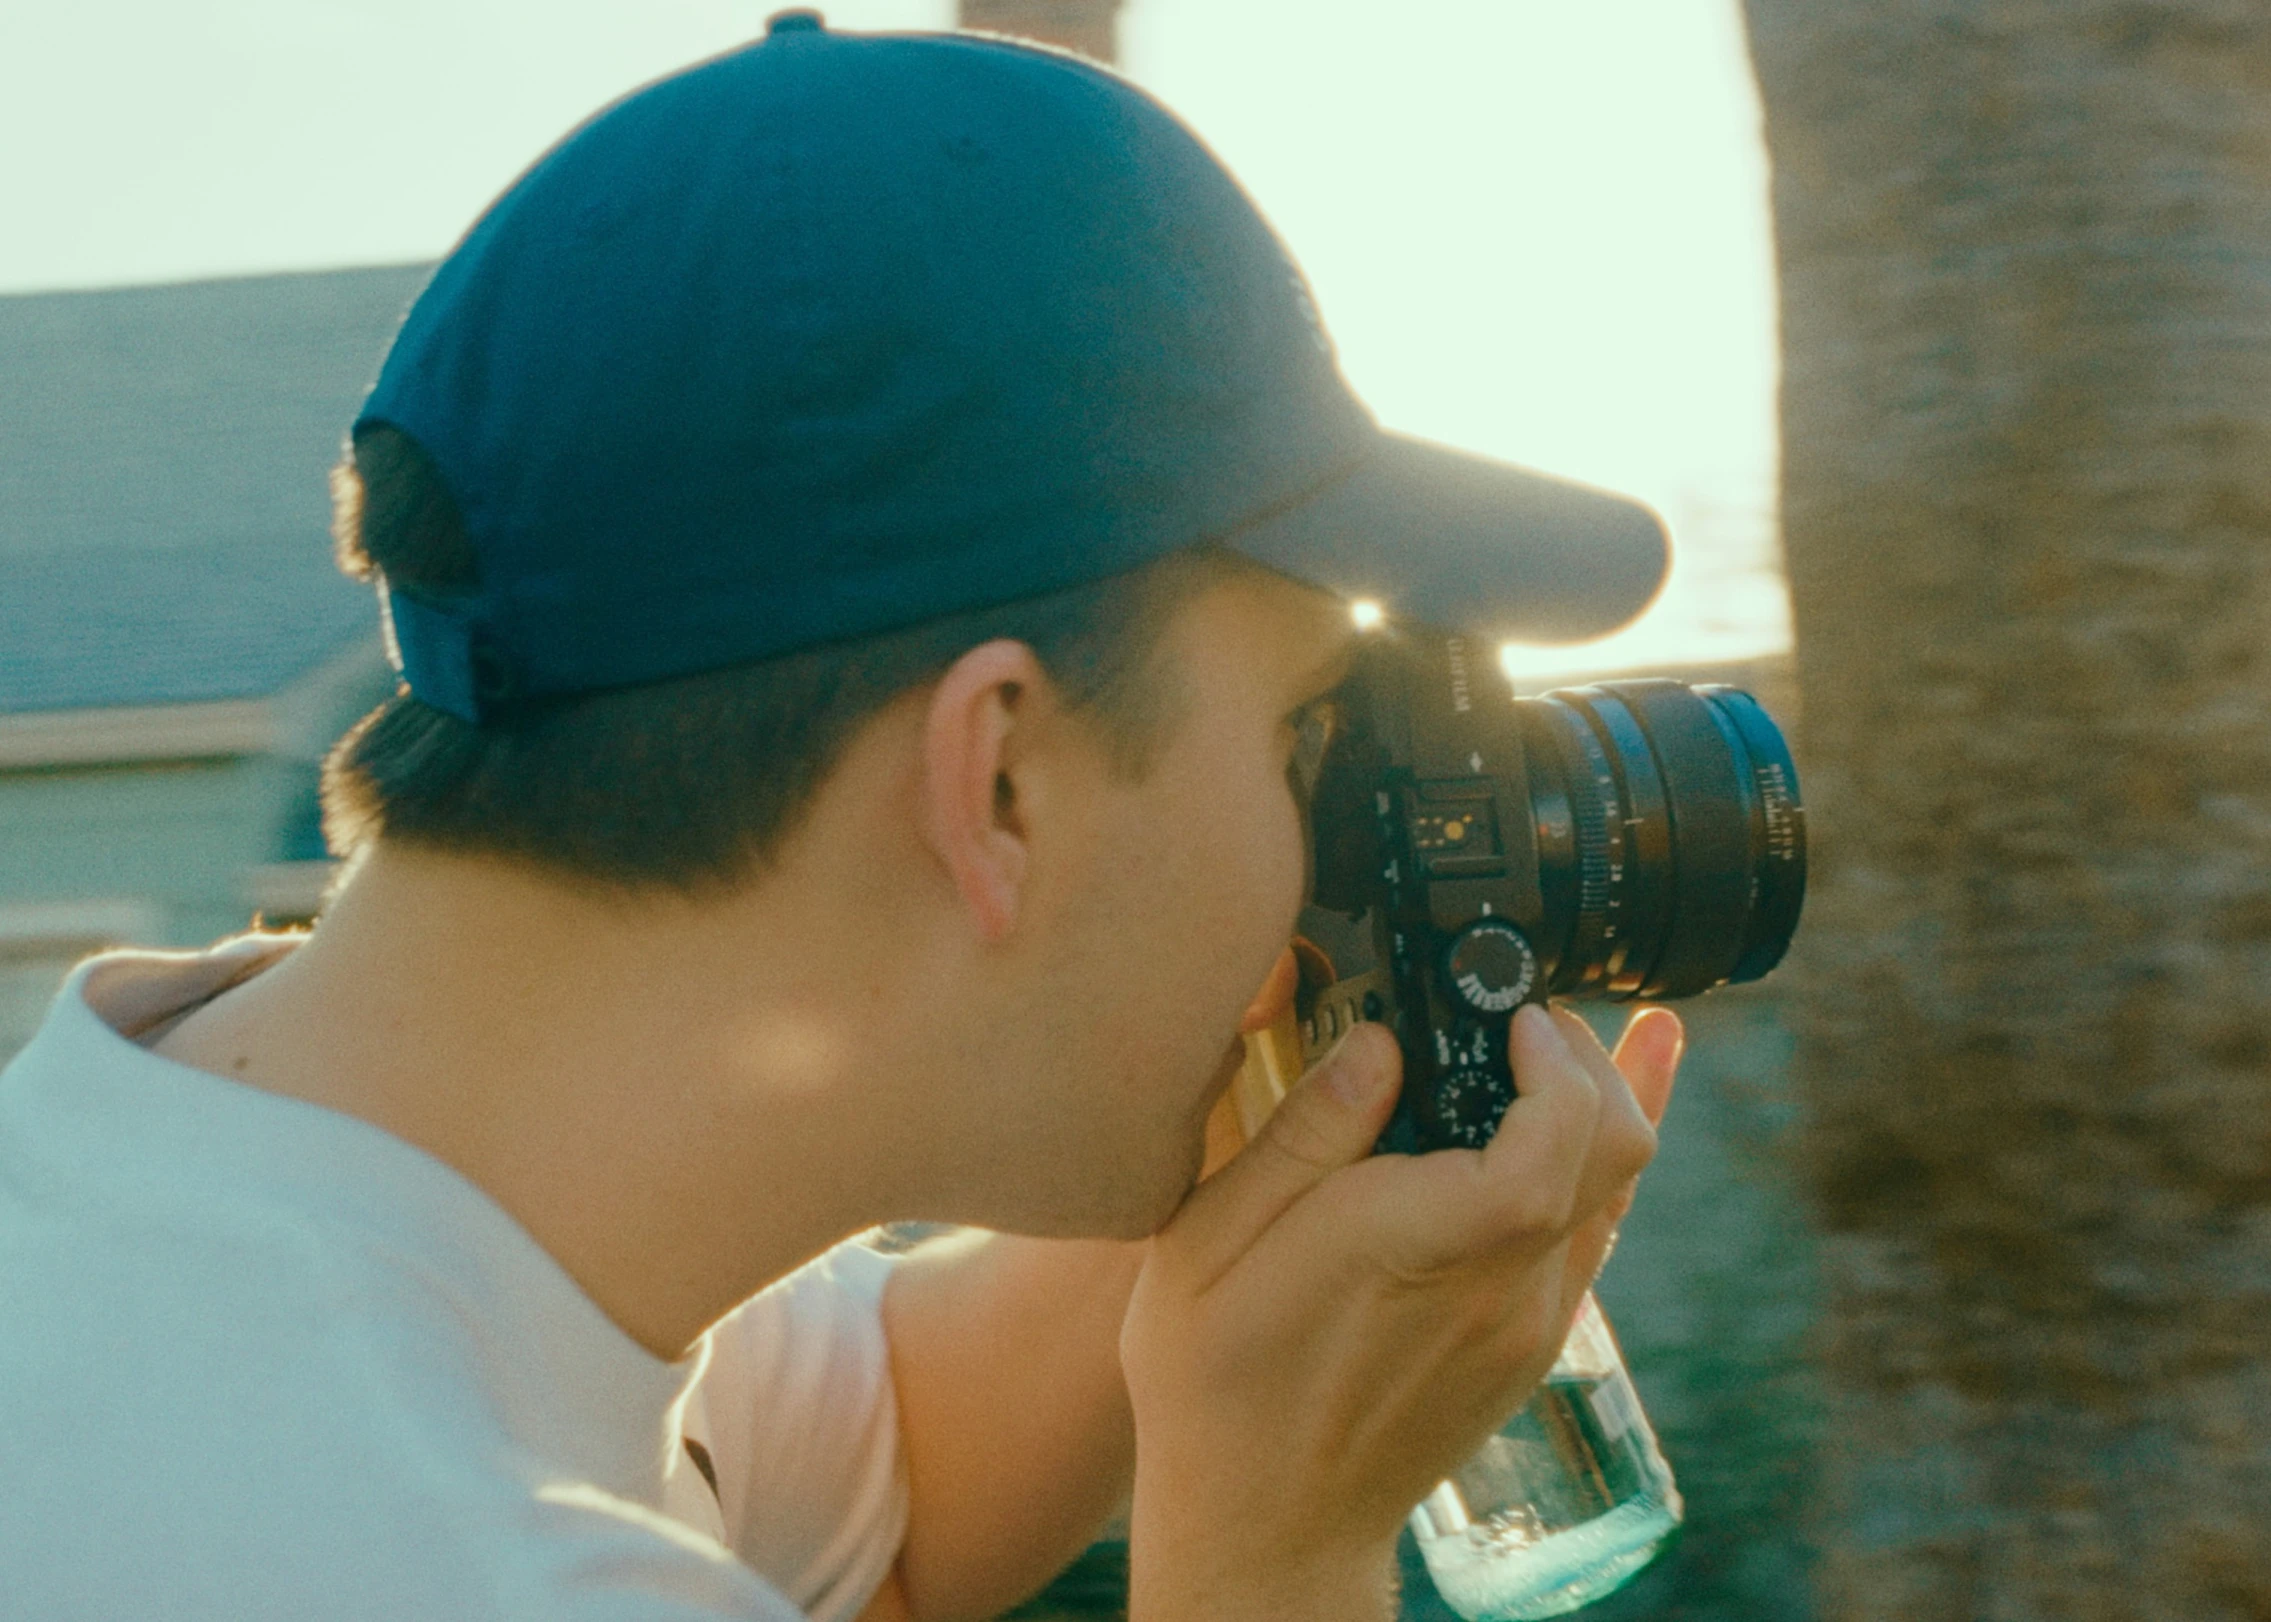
[1564,1504]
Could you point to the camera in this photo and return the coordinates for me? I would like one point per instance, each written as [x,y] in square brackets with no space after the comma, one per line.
[1634,839]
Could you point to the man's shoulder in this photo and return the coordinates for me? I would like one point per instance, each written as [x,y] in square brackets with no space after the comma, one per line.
[237,1456]
[262,1360]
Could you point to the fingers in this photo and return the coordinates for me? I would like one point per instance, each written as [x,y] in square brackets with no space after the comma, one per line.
[1624,1139]
[1560,1169]
[1539,1155]
[1455,1205]
[1569,1146]
[1330,1119]
[1648,1056]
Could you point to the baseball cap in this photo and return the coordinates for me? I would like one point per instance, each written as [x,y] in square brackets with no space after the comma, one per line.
[836,333]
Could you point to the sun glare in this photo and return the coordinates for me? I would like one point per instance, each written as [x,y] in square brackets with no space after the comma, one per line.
[1366,613]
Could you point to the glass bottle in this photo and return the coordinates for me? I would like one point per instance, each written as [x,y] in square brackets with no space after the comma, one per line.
[1563,1505]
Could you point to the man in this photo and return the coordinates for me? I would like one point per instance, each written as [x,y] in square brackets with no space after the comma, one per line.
[865,525]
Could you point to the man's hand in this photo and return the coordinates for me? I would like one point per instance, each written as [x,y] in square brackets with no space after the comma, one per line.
[1321,1335]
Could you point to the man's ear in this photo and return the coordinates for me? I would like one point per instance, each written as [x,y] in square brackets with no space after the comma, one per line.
[980,717]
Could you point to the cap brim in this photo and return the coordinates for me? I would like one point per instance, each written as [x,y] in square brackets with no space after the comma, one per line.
[1462,542]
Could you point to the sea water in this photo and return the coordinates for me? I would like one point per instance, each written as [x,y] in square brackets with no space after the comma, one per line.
[1563,1505]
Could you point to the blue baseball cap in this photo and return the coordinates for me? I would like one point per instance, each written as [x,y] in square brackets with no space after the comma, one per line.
[837,333]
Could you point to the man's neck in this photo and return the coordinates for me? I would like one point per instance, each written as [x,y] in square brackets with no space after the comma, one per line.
[668,1133]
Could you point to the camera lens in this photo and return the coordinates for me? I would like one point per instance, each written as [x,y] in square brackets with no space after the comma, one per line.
[1672,852]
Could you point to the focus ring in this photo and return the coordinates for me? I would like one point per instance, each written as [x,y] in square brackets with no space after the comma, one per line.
[1597,818]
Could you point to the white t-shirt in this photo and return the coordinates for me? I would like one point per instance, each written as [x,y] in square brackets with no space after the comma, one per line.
[260,1359]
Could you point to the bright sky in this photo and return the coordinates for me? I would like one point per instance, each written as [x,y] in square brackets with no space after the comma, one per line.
[1537,229]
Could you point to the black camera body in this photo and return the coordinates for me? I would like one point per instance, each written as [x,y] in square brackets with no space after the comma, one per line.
[1637,839]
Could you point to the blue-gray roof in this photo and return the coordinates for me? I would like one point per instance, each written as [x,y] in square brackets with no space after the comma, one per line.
[163,504]
[117,625]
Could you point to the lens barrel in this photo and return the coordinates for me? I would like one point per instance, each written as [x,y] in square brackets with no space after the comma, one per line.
[1671,840]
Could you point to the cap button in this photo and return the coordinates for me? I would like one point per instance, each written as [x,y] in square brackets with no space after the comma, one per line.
[799,21]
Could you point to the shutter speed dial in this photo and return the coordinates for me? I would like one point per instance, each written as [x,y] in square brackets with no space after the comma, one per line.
[1490,966]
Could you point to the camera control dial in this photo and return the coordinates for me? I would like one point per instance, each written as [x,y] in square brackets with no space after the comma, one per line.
[1469,1102]
[1491,966]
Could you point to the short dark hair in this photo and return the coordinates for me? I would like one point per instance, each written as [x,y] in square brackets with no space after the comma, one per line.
[695,781]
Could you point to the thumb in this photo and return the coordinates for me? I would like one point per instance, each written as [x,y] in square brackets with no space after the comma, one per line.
[1330,1119]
